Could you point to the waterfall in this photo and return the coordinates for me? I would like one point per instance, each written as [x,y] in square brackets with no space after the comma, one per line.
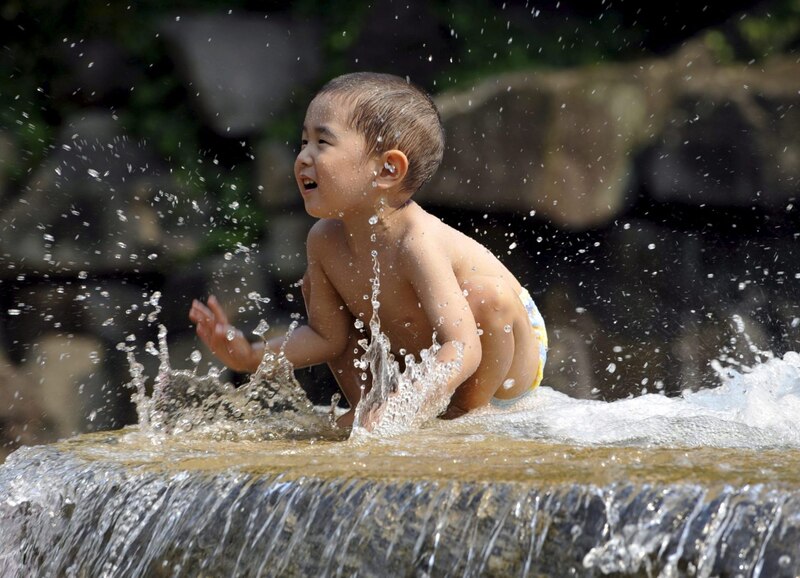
[76,510]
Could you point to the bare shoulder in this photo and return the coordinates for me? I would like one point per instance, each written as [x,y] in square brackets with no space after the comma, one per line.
[324,235]
[428,232]
[430,240]
[424,232]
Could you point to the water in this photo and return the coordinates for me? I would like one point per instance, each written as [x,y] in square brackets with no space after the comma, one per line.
[254,481]
[753,409]
[439,503]
[703,485]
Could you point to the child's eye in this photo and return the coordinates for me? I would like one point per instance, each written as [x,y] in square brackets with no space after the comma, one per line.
[303,143]
[322,141]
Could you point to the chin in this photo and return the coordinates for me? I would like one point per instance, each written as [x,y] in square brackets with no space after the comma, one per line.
[315,211]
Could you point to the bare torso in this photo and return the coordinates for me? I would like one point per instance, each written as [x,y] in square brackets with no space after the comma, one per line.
[402,318]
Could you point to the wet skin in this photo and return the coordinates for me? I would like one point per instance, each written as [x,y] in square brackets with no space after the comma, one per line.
[433,278]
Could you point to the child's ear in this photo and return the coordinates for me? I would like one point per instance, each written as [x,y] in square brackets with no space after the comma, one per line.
[394,169]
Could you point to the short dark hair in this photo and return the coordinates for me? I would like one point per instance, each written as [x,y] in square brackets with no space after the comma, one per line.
[393,113]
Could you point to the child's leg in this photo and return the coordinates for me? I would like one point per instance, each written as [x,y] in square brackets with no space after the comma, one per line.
[348,376]
[508,346]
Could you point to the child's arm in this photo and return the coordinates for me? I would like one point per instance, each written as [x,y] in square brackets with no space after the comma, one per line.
[322,339]
[442,299]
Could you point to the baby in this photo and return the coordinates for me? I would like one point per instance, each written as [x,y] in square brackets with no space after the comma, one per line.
[369,142]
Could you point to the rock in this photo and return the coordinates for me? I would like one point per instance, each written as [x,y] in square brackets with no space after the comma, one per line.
[100,202]
[564,143]
[729,141]
[21,419]
[557,143]
[569,366]
[67,371]
[242,67]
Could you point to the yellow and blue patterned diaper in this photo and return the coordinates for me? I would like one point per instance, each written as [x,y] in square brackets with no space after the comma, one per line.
[537,324]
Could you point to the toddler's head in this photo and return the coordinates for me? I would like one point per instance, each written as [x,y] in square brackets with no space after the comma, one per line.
[392,113]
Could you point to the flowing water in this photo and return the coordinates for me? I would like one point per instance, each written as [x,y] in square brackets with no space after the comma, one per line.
[703,485]
[254,481]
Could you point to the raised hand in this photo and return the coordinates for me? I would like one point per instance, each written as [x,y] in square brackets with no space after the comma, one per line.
[223,339]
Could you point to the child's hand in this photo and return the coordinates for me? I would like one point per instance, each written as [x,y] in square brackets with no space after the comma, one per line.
[222,338]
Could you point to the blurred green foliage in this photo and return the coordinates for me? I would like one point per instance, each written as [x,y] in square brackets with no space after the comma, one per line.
[484,37]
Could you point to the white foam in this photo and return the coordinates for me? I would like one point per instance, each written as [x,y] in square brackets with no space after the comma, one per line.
[754,408]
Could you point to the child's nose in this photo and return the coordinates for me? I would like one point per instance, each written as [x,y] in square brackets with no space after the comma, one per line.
[303,157]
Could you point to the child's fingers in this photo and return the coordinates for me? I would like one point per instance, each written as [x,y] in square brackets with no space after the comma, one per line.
[216,308]
[200,314]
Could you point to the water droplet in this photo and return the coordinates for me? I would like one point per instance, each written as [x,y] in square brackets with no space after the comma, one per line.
[358,324]
[228,256]
[289,297]
[373,220]
[230,334]
[14,312]
[612,367]
[196,356]
[507,328]
[508,384]
[261,329]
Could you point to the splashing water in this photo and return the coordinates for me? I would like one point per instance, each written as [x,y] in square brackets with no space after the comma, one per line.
[753,408]
[271,404]
[399,401]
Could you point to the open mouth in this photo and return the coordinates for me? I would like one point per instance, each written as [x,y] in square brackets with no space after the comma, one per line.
[309,184]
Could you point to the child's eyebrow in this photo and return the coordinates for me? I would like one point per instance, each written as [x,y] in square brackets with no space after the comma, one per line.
[321,130]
